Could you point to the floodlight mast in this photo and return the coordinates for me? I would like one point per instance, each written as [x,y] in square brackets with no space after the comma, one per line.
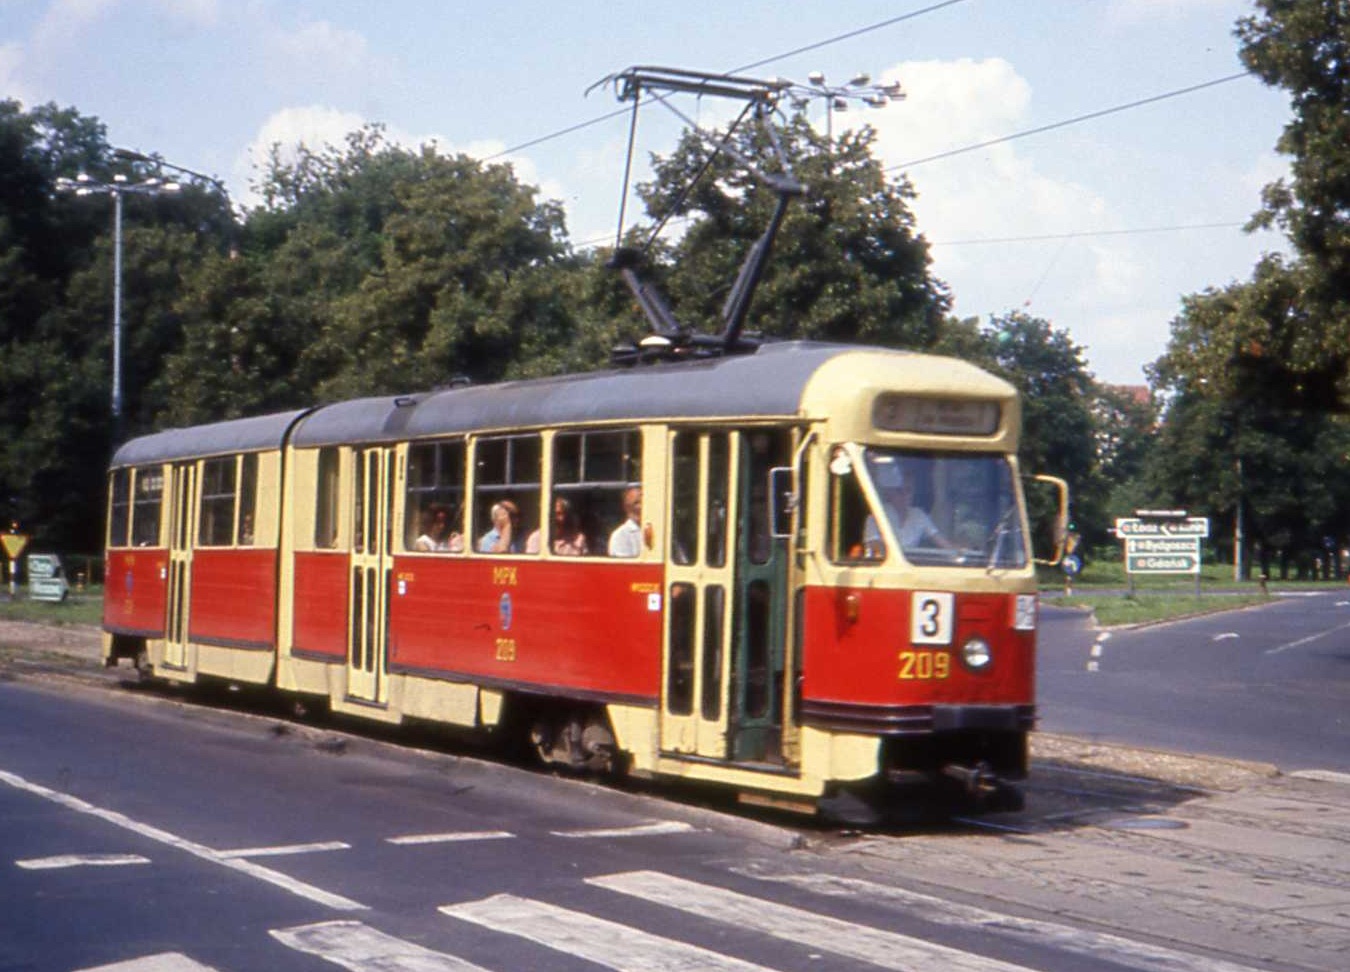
[761,99]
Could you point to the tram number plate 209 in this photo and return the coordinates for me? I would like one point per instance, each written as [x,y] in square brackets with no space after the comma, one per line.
[930,617]
[924,665]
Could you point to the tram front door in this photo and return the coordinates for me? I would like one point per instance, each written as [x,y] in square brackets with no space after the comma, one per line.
[726,596]
[368,597]
[178,581]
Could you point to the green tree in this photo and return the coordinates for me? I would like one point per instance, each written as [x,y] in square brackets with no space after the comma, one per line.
[1303,46]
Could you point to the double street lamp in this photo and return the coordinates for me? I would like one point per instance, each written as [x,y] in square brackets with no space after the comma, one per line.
[119,186]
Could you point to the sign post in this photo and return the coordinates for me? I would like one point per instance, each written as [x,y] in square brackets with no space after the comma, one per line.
[1163,542]
[13,544]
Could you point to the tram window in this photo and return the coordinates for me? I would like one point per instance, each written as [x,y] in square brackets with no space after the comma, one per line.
[434,510]
[326,500]
[149,498]
[680,675]
[248,500]
[119,516]
[767,449]
[506,478]
[684,499]
[591,471]
[848,514]
[714,604]
[216,525]
[719,490]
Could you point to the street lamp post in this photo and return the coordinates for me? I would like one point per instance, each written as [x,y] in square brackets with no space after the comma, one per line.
[86,185]
[837,96]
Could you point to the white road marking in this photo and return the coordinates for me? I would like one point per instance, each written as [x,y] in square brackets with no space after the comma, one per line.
[1225,636]
[1093,666]
[282,850]
[1303,641]
[640,830]
[1096,651]
[886,949]
[81,860]
[1323,776]
[1343,603]
[1104,636]
[150,832]
[1076,941]
[597,940]
[163,962]
[451,837]
[361,948]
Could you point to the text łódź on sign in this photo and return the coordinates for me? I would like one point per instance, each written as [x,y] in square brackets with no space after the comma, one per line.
[1169,545]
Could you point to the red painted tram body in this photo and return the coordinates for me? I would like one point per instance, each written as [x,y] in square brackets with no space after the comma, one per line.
[826,594]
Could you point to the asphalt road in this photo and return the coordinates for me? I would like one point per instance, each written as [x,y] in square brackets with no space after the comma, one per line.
[1270,683]
[139,834]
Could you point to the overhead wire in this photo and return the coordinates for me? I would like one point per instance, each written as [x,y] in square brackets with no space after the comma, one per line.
[849,35]
[1077,119]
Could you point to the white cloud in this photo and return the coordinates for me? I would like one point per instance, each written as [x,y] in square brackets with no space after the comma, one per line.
[11,64]
[317,127]
[320,45]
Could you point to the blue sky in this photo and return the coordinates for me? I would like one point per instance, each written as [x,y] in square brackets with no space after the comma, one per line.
[1129,200]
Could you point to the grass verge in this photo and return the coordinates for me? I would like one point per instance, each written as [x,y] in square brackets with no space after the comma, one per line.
[85,607]
[1140,608]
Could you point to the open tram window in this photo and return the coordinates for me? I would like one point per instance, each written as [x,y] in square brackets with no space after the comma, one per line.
[216,524]
[146,505]
[434,508]
[591,472]
[119,508]
[506,492]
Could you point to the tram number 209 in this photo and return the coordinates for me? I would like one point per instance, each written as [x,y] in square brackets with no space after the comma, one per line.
[924,665]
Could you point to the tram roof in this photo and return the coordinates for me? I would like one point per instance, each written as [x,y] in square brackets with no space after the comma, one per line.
[767,383]
[257,434]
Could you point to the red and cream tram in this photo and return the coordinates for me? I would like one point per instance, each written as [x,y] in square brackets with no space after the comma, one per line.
[832,593]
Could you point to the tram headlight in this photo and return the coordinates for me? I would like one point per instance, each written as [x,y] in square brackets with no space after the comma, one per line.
[976,654]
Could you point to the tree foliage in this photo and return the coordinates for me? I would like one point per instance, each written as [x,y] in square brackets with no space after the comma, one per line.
[1303,46]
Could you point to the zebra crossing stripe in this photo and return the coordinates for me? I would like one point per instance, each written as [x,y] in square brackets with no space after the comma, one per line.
[164,962]
[356,946]
[1099,946]
[597,940]
[888,950]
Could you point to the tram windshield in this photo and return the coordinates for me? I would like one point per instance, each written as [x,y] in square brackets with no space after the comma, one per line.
[946,509]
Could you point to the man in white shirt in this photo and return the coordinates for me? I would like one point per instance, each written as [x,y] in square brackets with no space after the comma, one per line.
[913,526]
[626,540]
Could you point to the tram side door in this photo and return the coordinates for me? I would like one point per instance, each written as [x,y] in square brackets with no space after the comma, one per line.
[372,486]
[182,523]
[699,578]
[758,649]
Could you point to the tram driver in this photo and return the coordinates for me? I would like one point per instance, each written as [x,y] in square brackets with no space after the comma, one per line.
[912,525]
